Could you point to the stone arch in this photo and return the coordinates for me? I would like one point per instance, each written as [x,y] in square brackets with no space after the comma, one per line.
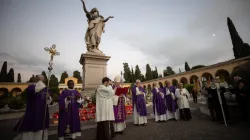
[223,74]
[206,78]
[193,79]
[16,91]
[184,80]
[174,82]
[4,92]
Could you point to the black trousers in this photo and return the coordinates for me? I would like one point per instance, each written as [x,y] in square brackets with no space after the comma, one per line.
[195,98]
[185,114]
[105,130]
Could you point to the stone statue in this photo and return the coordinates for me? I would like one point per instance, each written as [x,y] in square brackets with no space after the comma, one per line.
[95,29]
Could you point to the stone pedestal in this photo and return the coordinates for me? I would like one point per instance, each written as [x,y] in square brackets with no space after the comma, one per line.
[94,68]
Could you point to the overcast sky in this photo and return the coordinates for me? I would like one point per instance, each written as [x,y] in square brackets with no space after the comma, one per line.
[159,32]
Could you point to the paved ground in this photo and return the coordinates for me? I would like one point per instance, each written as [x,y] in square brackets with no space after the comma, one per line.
[199,128]
[6,126]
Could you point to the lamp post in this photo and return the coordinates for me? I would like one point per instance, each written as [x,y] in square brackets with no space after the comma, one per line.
[53,52]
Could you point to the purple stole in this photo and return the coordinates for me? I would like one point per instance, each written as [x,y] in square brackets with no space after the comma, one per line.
[139,101]
[171,104]
[119,110]
[71,115]
[159,102]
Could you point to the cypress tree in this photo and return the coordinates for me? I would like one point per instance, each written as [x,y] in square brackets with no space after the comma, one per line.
[19,79]
[4,74]
[10,76]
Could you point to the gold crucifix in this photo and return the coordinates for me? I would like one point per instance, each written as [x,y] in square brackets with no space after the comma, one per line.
[52,51]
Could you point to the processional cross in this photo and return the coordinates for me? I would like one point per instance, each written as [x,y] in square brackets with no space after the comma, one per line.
[53,52]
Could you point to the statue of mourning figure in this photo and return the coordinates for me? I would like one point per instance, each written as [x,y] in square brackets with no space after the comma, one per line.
[96,24]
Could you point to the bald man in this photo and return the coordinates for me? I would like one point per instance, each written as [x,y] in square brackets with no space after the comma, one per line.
[31,124]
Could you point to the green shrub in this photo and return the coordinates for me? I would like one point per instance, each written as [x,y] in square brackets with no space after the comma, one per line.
[55,97]
[189,87]
[93,98]
[16,103]
[55,90]
[3,102]
[23,95]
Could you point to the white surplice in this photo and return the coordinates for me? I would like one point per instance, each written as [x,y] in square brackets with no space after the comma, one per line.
[104,103]
[136,116]
[183,98]
[170,114]
[38,134]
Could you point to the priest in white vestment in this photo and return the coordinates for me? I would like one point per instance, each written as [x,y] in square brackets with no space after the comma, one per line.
[139,104]
[104,110]
[183,102]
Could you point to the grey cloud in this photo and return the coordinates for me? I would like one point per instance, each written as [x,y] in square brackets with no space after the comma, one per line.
[31,63]
[196,45]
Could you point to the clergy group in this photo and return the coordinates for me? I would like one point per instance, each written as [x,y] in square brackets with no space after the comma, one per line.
[110,110]
[170,103]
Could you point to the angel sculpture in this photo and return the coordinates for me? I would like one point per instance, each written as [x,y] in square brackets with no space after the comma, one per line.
[96,24]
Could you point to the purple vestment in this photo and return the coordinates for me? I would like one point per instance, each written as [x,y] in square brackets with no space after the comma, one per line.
[171,104]
[33,117]
[139,101]
[69,116]
[120,110]
[159,102]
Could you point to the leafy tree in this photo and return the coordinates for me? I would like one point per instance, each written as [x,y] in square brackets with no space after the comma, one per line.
[127,73]
[138,74]
[132,75]
[197,67]
[3,74]
[53,81]
[64,75]
[149,74]
[24,94]
[168,71]
[19,79]
[142,78]
[187,68]
[160,75]
[10,76]
[240,48]
[32,79]
[155,73]
[5,93]
[189,87]
[45,78]
[55,90]
[77,75]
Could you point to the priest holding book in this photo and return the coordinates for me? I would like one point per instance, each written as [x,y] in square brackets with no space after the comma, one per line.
[119,106]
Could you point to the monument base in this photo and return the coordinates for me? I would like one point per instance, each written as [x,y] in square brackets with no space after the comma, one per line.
[94,68]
